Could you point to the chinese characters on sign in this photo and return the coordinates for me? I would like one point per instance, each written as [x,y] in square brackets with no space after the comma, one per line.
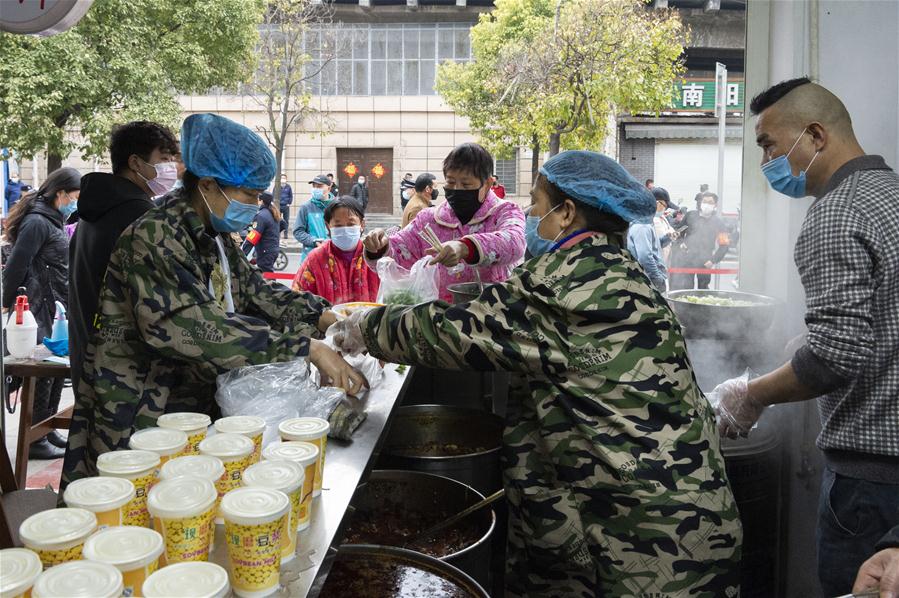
[699,96]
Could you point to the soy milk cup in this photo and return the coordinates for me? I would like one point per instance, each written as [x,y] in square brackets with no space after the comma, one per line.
[246,425]
[140,468]
[183,509]
[192,424]
[309,429]
[188,580]
[164,442]
[198,466]
[19,569]
[305,455]
[79,579]
[58,535]
[254,522]
[134,551]
[106,497]
[287,477]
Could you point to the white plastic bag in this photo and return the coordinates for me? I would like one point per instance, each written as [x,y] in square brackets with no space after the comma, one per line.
[407,287]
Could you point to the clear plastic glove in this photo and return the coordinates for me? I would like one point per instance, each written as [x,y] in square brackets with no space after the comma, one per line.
[334,370]
[347,334]
[737,411]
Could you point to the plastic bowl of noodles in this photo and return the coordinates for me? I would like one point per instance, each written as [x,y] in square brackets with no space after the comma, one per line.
[344,310]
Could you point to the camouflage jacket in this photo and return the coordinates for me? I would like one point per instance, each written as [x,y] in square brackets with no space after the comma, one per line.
[612,465]
[161,338]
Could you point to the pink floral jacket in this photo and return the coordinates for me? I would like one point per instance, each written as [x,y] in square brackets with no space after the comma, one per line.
[497,230]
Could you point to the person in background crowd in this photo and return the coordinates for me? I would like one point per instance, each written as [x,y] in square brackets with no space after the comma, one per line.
[474,226]
[310,230]
[612,466]
[703,189]
[360,192]
[13,190]
[336,271]
[847,254]
[38,261]
[266,226]
[497,188]
[143,156]
[407,187]
[703,244]
[284,203]
[643,244]
[181,305]
[650,184]
[424,194]
[881,571]
[334,191]
[664,230]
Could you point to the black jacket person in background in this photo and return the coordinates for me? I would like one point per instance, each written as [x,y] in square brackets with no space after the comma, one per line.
[704,243]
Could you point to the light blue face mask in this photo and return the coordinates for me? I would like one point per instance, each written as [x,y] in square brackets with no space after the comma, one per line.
[780,174]
[536,244]
[69,209]
[238,216]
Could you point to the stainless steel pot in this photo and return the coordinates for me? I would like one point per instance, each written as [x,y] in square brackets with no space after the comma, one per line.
[418,428]
[387,492]
[363,555]
[464,291]
[722,322]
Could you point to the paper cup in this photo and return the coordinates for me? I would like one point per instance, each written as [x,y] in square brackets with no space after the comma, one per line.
[198,466]
[254,521]
[106,497]
[305,455]
[164,442]
[235,452]
[58,535]
[287,477]
[183,509]
[188,580]
[134,551]
[139,467]
[246,425]
[194,425]
[79,579]
[19,569]
[309,429]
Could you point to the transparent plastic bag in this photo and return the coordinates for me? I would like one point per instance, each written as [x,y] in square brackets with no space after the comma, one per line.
[407,287]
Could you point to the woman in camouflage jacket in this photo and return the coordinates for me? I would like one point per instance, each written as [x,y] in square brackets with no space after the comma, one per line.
[612,465]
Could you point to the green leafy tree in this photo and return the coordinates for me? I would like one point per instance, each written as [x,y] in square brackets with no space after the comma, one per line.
[552,73]
[125,60]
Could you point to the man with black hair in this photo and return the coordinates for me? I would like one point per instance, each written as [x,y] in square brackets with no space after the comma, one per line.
[705,239]
[847,254]
[421,199]
[407,185]
[284,202]
[650,184]
[143,156]
[334,190]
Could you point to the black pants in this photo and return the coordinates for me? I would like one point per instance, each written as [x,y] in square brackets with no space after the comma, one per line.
[285,219]
[686,281]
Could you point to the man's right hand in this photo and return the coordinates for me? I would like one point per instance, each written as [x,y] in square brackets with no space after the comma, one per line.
[375,242]
[880,571]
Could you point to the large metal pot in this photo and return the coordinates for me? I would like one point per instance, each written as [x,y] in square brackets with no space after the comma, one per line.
[418,432]
[464,291]
[723,322]
[423,574]
[389,493]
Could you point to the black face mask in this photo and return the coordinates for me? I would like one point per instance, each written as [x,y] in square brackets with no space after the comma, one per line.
[434,194]
[464,202]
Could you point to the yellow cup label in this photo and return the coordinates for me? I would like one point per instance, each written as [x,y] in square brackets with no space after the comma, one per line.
[289,542]
[257,449]
[135,512]
[255,554]
[193,444]
[111,518]
[134,579]
[306,500]
[186,538]
[233,473]
[49,558]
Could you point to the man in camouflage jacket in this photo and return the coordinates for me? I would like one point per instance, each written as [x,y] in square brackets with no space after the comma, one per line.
[612,464]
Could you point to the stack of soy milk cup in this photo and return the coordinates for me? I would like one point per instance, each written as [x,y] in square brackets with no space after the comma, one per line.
[147,524]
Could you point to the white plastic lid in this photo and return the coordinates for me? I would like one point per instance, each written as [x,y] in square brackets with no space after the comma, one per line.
[186,421]
[162,441]
[19,568]
[126,547]
[127,463]
[181,497]
[248,425]
[253,506]
[285,476]
[188,580]
[99,494]
[79,579]
[227,446]
[304,428]
[304,453]
[48,529]
[200,466]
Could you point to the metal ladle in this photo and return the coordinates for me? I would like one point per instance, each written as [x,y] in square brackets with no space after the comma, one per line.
[456,518]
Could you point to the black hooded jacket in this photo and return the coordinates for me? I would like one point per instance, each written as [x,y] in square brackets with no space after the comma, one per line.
[107,206]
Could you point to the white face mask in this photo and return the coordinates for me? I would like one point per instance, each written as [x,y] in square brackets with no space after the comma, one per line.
[707,209]
[346,237]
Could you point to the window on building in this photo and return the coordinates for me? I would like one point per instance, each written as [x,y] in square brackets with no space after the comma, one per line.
[506,172]
[384,59]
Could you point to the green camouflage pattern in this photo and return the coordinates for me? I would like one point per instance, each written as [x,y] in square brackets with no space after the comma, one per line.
[161,338]
[612,464]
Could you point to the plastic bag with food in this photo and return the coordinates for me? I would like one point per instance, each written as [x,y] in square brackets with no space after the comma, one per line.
[407,287]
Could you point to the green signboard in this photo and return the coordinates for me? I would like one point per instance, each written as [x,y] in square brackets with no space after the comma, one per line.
[698,95]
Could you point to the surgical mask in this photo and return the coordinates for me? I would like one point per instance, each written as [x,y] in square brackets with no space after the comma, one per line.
[68,209]
[781,177]
[464,202]
[707,209]
[238,216]
[434,194]
[536,244]
[346,237]
[318,193]
[166,175]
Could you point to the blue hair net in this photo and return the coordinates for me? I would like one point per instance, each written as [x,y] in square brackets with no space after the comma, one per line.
[601,182]
[214,146]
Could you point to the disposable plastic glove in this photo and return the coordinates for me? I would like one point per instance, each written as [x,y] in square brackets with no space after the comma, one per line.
[347,334]
[737,411]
